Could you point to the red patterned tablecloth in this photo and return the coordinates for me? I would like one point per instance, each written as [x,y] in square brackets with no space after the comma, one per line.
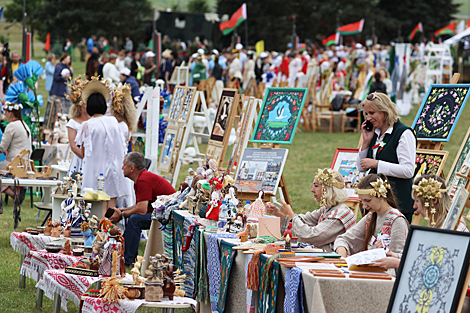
[67,286]
[92,305]
[36,262]
[24,242]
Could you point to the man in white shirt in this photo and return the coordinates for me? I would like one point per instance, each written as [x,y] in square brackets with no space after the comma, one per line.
[110,71]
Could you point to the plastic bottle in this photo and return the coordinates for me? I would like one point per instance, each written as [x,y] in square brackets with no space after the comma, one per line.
[222,216]
[247,208]
[101,182]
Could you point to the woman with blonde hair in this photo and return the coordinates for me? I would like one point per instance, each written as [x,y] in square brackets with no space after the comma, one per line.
[383,226]
[320,227]
[388,147]
[77,116]
[385,78]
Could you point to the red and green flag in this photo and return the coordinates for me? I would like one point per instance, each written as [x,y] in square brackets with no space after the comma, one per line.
[446,30]
[351,29]
[418,29]
[467,24]
[237,18]
[331,40]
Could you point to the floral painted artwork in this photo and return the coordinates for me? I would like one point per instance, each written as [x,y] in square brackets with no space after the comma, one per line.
[279,115]
[430,161]
[440,111]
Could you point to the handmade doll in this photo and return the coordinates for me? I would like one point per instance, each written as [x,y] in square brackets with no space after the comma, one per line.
[136,271]
[239,224]
[190,177]
[56,228]
[88,234]
[67,207]
[203,197]
[111,246]
[48,229]
[154,279]
[214,205]
[96,253]
[257,208]
[288,237]
[66,248]
[168,280]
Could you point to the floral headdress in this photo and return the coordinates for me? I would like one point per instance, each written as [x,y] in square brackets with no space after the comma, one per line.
[76,88]
[379,189]
[118,97]
[326,177]
[429,189]
[11,106]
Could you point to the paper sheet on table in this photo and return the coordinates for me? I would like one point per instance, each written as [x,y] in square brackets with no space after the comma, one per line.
[365,257]
[316,266]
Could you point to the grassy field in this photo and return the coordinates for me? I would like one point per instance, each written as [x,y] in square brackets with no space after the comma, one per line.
[308,152]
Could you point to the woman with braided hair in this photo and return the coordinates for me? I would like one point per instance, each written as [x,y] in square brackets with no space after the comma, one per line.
[77,116]
[384,225]
[320,227]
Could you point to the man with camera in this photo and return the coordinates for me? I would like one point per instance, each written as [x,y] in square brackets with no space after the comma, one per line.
[10,66]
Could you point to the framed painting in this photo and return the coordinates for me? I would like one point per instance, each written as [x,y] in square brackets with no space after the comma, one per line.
[243,129]
[224,116]
[459,166]
[432,271]
[187,104]
[260,169]
[176,103]
[214,151]
[279,115]
[430,161]
[440,111]
[166,157]
[456,209]
[344,162]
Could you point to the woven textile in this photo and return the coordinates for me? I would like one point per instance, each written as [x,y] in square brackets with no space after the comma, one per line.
[92,305]
[213,266]
[23,242]
[267,300]
[168,239]
[294,302]
[252,276]
[178,237]
[36,262]
[189,259]
[203,282]
[227,255]
[251,296]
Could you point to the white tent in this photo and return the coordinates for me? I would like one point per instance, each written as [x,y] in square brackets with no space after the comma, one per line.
[455,40]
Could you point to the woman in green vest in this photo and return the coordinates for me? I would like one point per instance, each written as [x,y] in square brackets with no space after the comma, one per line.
[389,148]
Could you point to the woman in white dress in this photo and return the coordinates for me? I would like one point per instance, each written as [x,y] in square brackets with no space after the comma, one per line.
[102,143]
[122,107]
[77,115]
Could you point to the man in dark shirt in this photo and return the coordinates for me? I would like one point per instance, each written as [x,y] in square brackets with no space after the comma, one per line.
[147,187]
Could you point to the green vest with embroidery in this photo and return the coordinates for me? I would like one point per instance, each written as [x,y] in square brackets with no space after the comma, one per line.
[401,187]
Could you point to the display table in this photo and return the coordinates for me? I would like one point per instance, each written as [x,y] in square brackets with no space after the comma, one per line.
[92,305]
[24,182]
[36,262]
[23,242]
[55,153]
[96,206]
[325,294]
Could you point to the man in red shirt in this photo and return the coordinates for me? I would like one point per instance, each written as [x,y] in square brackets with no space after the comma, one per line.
[147,187]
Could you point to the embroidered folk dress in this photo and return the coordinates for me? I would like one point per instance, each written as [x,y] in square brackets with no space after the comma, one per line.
[391,223]
[76,163]
[321,227]
[104,153]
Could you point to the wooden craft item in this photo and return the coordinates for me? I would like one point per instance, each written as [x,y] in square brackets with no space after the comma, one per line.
[249,247]
[48,229]
[333,261]
[367,268]
[307,259]
[81,271]
[66,248]
[313,250]
[327,273]
[21,165]
[370,276]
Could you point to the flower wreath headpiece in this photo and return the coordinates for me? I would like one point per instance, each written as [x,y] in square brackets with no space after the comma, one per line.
[11,106]
[379,190]
[429,189]
[118,97]
[76,88]
[326,177]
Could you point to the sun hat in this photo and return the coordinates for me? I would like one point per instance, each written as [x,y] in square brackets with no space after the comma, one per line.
[92,87]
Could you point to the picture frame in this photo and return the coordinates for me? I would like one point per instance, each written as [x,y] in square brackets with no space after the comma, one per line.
[260,169]
[187,104]
[434,262]
[168,149]
[214,151]
[439,112]
[224,116]
[344,162]
[279,115]
[430,161]
[176,103]
[459,166]
[456,209]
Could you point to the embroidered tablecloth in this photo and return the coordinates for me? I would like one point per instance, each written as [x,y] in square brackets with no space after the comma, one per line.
[67,286]
[92,305]
[23,242]
[36,262]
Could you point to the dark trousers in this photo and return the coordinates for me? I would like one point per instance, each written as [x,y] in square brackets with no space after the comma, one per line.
[134,227]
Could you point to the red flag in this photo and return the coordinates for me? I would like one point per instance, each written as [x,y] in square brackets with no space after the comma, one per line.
[467,25]
[47,45]
[418,28]
[446,30]
[331,40]
[351,29]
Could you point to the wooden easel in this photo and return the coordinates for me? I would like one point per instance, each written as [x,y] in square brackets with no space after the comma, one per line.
[252,196]
[433,145]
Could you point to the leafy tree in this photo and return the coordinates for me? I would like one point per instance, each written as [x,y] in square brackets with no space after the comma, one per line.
[198,6]
[77,19]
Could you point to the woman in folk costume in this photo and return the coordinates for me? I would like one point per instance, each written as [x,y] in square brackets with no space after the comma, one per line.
[77,115]
[103,144]
[249,72]
[388,148]
[112,245]
[320,227]
[384,225]
[123,109]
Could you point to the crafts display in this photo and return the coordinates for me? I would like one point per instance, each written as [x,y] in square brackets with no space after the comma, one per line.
[430,162]
[56,229]
[279,115]
[168,150]
[460,166]
[139,281]
[113,245]
[224,116]
[159,278]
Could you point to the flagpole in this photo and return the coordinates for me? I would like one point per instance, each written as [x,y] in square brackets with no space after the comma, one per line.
[246,34]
